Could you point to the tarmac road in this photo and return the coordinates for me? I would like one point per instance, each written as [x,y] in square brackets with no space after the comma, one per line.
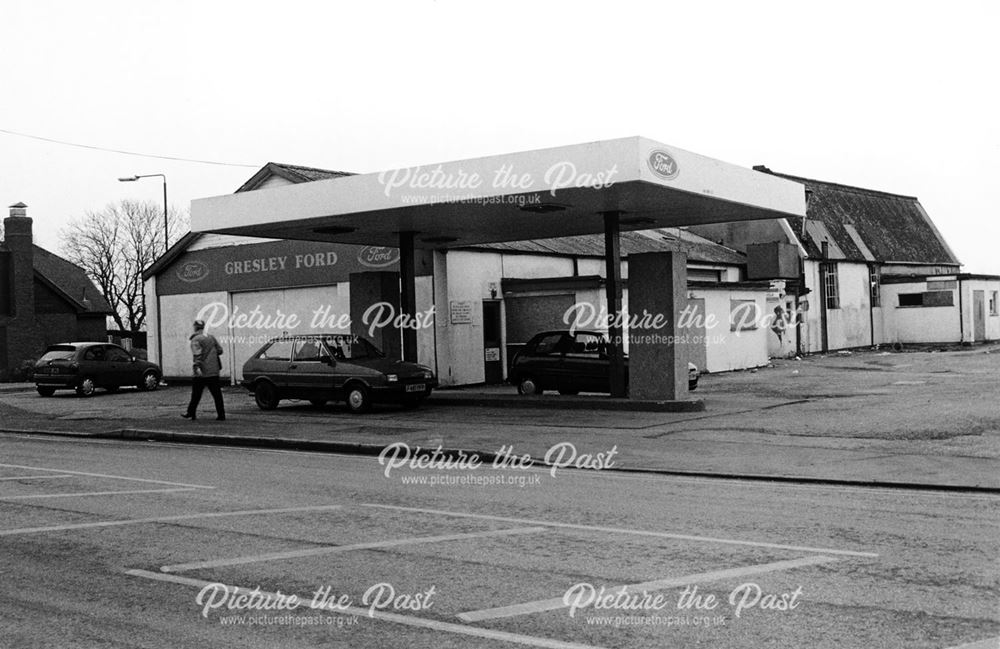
[109,544]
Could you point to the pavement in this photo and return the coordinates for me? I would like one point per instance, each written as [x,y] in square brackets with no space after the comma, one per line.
[923,420]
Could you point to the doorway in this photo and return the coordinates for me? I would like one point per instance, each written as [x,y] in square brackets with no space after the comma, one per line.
[978,316]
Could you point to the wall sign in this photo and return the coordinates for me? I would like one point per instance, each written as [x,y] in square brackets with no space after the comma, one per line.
[492,354]
[663,164]
[461,312]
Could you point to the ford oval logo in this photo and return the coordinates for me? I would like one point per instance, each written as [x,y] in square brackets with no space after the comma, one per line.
[378,256]
[663,164]
[192,271]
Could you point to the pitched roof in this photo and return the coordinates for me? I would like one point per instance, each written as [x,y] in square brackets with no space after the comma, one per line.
[660,240]
[291,173]
[70,281]
[867,225]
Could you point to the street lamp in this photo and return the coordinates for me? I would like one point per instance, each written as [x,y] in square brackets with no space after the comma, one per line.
[166,227]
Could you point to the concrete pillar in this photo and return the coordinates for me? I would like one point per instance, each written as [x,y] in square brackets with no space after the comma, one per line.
[371,288]
[658,356]
[613,288]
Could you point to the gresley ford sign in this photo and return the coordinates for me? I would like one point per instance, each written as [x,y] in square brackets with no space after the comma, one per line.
[277,264]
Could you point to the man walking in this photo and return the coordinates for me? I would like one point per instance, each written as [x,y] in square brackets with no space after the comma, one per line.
[205,350]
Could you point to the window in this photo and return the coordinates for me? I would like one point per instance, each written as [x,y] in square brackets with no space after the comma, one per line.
[828,273]
[280,350]
[307,351]
[95,353]
[875,283]
[550,344]
[743,315]
[588,345]
[117,355]
[993,303]
[347,348]
[927,299]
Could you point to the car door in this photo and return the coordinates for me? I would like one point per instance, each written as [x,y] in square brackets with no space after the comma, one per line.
[542,360]
[310,375]
[585,365]
[272,362]
[96,365]
[121,369]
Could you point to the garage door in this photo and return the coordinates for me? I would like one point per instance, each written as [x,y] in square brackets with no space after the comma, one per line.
[527,316]
[320,309]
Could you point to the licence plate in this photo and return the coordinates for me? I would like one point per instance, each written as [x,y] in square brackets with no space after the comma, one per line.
[416,387]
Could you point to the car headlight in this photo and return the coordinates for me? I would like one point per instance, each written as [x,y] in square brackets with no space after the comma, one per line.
[391,378]
[428,375]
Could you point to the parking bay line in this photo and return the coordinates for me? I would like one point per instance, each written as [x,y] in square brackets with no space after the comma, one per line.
[168,519]
[100,493]
[331,549]
[104,475]
[622,530]
[556,603]
[396,618]
[991,643]
[36,477]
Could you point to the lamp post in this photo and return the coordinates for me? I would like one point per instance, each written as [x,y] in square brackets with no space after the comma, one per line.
[166,227]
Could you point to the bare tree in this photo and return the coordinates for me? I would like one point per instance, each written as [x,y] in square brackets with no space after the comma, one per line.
[114,245]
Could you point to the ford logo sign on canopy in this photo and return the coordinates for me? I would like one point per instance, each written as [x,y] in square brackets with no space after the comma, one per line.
[378,256]
[663,164]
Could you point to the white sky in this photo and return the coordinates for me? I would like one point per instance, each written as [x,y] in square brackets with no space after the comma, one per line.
[900,97]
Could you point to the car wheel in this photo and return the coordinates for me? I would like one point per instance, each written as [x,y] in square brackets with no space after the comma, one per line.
[319,403]
[85,387]
[527,385]
[150,381]
[266,396]
[358,398]
[45,391]
[568,392]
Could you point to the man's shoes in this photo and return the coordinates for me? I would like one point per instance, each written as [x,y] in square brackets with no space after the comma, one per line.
[220,418]
[188,415]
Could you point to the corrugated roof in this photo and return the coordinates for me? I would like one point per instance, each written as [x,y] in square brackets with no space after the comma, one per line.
[592,245]
[894,228]
[71,281]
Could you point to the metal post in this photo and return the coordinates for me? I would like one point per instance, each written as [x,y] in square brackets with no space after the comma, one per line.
[166,226]
[613,289]
[408,294]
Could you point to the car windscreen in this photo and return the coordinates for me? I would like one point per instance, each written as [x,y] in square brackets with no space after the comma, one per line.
[58,353]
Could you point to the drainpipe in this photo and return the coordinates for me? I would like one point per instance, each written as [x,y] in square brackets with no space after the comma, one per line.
[871,305]
[961,316]
[822,297]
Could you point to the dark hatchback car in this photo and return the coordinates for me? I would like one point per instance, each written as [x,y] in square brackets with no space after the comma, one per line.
[568,362]
[84,367]
[333,367]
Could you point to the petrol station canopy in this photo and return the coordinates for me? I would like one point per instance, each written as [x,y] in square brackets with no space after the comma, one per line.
[547,193]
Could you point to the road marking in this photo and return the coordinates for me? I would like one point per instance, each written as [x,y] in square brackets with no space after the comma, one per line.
[100,493]
[167,519]
[408,620]
[331,549]
[992,643]
[621,530]
[104,475]
[556,603]
[36,477]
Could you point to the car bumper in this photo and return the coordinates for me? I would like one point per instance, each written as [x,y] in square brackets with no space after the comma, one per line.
[56,381]
[395,392]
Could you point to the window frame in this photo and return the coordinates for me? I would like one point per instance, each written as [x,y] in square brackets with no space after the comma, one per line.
[831,284]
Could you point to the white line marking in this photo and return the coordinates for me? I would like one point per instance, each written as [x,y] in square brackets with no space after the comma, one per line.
[991,643]
[331,549]
[167,519]
[100,493]
[660,584]
[408,620]
[620,530]
[104,475]
[36,477]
